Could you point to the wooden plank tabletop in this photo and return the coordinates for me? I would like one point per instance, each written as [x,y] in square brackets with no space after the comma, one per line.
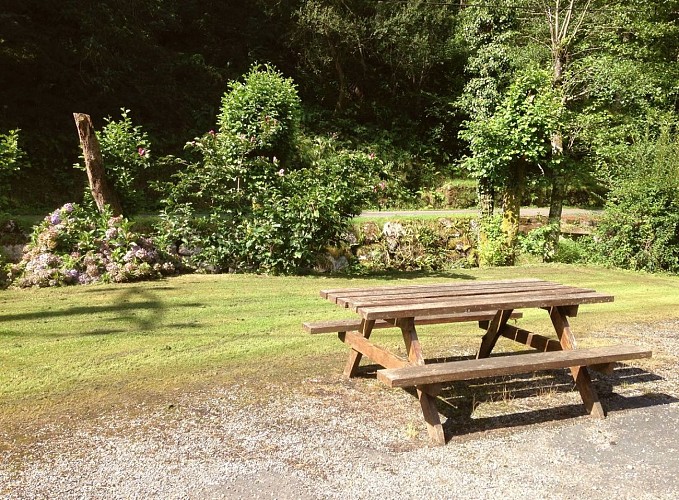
[465,296]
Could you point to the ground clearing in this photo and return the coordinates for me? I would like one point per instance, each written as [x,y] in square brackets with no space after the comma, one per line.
[214,373]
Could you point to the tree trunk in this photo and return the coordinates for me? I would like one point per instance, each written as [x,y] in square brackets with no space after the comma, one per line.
[102,192]
[486,209]
[559,62]
[558,182]
[511,212]
[554,219]
[486,198]
[341,80]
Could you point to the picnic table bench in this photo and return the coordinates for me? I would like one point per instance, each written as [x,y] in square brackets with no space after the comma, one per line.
[492,304]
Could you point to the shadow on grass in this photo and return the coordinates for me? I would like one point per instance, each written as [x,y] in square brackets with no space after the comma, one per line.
[458,402]
[138,306]
[98,290]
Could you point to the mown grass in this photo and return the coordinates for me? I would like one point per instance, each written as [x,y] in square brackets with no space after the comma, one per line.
[83,350]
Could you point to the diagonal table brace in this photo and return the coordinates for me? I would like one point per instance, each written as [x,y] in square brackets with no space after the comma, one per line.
[354,356]
[493,332]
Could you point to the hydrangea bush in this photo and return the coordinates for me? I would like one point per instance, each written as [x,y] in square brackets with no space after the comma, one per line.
[74,245]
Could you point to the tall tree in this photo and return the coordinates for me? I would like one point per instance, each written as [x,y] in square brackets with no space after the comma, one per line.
[512,146]
[488,34]
[612,67]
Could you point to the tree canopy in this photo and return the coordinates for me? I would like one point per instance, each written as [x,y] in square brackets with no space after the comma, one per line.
[414,80]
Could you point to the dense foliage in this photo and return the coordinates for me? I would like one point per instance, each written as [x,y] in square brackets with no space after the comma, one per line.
[397,98]
[259,196]
[640,227]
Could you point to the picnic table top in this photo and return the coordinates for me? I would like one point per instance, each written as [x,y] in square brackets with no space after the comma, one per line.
[405,301]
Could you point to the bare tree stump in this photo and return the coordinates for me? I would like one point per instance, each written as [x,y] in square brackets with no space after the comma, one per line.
[102,192]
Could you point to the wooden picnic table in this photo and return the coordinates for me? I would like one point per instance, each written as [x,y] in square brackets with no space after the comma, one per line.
[492,304]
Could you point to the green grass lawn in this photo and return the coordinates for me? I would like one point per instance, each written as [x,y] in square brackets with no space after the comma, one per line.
[83,350]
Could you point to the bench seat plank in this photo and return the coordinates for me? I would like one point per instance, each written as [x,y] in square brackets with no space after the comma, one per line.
[348,325]
[508,365]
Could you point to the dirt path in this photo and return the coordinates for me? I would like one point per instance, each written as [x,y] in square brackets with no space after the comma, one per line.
[525,211]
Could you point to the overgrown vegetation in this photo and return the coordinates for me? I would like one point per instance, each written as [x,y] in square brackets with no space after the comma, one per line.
[402,103]
[258,197]
[415,245]
[640,226]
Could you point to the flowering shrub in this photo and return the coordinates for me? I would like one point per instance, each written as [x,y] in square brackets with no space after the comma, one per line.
[268,202]
[74,246]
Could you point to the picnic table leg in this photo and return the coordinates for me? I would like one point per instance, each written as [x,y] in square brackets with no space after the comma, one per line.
[355,356]
[493,333]
[427,401]
[580,373]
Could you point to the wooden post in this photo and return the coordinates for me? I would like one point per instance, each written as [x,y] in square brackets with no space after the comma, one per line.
[580,374]
[427,400]
[102,192]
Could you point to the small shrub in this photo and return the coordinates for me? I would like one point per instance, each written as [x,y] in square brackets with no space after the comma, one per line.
[573,251]
[539,242]
[260,116]
[10,156]
[493,248]
[75,246]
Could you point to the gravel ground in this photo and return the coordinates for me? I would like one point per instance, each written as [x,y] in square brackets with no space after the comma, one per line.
[328,438]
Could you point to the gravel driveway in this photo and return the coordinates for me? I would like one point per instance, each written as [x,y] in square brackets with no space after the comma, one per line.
[329,438]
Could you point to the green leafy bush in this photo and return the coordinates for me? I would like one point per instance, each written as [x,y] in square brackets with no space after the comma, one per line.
[493,248]
[74,245]
[640,225]
[260,115]
[573,251]
[10,153]
[258,196]
[539,242]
